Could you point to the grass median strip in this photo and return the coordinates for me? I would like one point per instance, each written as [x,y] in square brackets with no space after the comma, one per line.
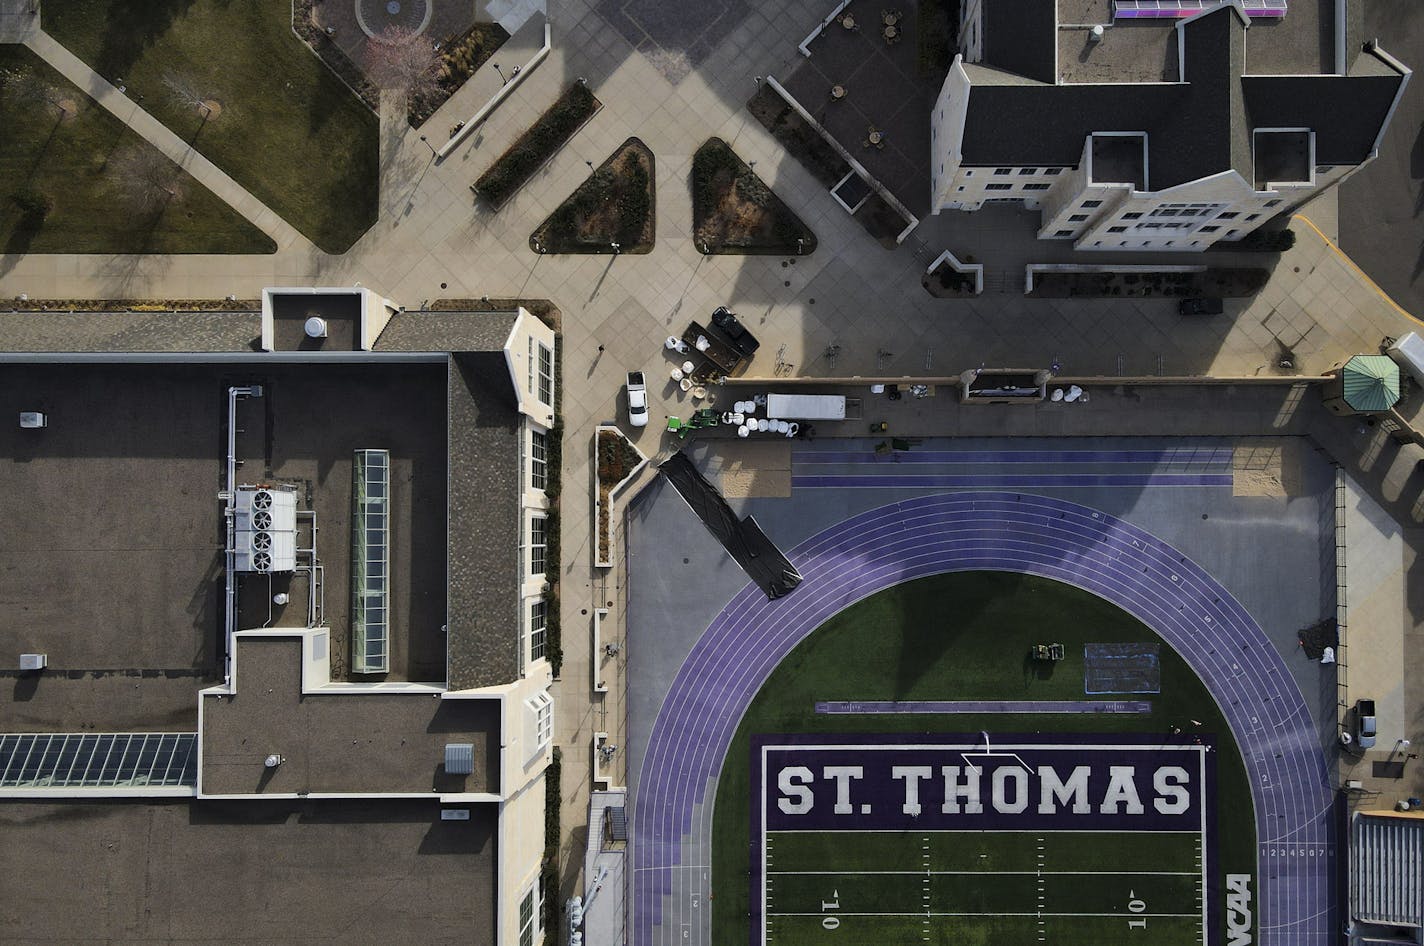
[541,142]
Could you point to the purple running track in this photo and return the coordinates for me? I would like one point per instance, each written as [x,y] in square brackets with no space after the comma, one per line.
[1001,531]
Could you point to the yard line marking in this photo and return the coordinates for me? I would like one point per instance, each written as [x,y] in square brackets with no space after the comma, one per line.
[1192,915]
[1003,873]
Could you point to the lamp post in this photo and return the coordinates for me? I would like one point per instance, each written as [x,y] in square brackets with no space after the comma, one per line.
[427,144]
[502,79]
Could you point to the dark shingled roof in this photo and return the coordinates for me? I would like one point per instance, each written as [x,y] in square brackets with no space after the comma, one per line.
[446,331]
[129,332]
[1022,36]
[484,549]
[1195,129]
[1345,112]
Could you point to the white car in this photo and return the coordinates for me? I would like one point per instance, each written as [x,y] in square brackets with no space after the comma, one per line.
[637,400]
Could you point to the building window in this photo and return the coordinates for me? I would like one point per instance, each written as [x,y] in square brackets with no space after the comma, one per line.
[961,187]
[1230,215]
[1231,235]
[1037,187]
[1028,171]
[1064,233]
[998,187]
[531,914]
[968,173]
[538,629]
[1209,229]
[1052,172]
[1077,218]
[546,375]
[538,545]
[1132,216]
[542,706]
[1002,171]
[1116,229]
[1089,204]
[1252,217]
[1273,203]
[538,468]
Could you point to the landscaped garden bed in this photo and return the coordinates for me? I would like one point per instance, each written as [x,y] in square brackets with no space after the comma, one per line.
[459,58]
[1261,241]
[1223,283]
[949,279]
[796,135]
[536,146]
[75,179]
[616,205]
[335,58]
[734,212]
[617,462]
[235,81]
[938,29]
[881,220]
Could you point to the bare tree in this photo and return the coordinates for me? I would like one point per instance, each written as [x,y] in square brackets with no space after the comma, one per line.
[23,84]
[185,93]
[404,62]
[144,179]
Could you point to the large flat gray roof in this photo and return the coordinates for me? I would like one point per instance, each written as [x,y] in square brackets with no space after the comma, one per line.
[280,873]
[353,743]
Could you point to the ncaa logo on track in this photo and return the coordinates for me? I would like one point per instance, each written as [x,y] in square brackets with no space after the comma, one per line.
[1238,909]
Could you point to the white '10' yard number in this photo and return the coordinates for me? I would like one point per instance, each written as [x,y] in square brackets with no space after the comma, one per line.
[1134,905]
[831,922]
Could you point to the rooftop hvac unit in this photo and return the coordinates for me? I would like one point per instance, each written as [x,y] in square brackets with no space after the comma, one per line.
[33,661]
[315,327]
[459,758]
[265,529]
[33,420]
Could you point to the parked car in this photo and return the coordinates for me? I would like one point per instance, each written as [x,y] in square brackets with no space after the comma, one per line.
[726,322]
[637,399]
[1366,729]
[1200,306]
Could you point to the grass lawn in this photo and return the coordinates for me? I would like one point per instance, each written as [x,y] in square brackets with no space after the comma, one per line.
[962,636]
[73,164]
[281,124]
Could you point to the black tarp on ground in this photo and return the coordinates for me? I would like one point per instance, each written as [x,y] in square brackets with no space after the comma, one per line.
[743,539]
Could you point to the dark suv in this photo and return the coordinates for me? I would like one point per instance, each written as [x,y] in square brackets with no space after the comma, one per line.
[1200,306]
[742,340]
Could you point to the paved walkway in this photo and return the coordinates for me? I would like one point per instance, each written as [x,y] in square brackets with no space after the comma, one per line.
[18,20]
[157,134]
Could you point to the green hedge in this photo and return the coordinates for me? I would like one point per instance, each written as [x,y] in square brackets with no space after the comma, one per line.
[549,870]
[553,129]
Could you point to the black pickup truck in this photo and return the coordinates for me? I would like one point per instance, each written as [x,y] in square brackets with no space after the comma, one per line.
[726,322]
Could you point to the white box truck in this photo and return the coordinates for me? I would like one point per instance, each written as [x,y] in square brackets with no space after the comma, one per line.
[1408,352]
[806,406]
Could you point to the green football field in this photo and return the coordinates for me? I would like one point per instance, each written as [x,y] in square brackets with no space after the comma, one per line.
[982,888]
[965,636]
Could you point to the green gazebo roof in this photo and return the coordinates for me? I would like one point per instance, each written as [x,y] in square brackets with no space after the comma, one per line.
[1371,383]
